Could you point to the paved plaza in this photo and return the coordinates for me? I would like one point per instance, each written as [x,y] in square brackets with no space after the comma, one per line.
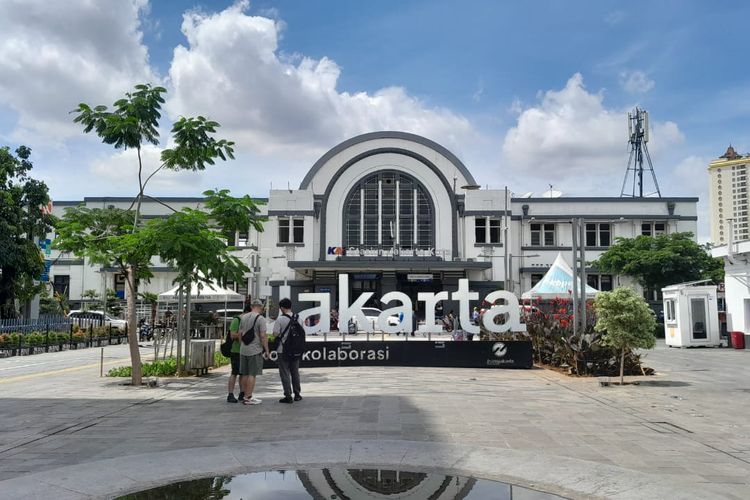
[683,433]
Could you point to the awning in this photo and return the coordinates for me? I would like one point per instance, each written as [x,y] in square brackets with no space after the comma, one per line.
[211,292]
[557,283]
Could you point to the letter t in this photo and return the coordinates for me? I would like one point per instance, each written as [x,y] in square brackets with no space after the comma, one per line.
[463,296]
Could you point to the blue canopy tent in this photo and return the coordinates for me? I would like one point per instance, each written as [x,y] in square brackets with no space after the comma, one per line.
[557,283]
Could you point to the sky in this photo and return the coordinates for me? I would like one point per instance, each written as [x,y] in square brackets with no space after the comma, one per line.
[527,94]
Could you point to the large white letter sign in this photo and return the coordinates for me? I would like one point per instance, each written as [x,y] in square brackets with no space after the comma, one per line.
[509,309]
[464,296]
[354,310]
[405,324]
[430,301]
[323,310]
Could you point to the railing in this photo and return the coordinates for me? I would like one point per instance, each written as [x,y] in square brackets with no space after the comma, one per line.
[55,334]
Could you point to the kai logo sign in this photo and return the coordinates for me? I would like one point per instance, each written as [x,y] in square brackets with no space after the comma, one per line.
[506,307]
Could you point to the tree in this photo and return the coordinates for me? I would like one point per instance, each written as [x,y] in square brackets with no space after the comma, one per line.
[659,261]
[132,123]
[22,223]
[626,322]
[151,299]
[92,299]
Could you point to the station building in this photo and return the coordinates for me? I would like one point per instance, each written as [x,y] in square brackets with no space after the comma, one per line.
[397,211]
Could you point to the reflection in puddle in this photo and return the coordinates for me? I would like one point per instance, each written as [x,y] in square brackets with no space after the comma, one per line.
[340,484]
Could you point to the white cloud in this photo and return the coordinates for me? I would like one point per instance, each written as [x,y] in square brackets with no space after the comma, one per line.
[119,172]
[54,55]
[636,82]
[614,17]
[569,135]
[231,70]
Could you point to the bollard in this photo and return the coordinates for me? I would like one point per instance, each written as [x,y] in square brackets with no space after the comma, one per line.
[46,339]
[70,345]
[91,335]
[101,364]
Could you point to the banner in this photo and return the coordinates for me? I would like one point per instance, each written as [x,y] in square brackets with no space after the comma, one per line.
[449,354]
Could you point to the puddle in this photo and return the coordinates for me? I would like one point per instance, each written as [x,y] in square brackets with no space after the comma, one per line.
[340,484]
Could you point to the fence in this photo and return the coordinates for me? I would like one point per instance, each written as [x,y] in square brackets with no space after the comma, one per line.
[55,333]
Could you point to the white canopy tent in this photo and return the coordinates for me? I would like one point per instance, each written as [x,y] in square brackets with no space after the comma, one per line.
[210,292]
[557,283]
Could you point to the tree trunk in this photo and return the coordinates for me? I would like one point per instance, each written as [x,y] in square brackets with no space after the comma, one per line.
[135,353]
[622,367]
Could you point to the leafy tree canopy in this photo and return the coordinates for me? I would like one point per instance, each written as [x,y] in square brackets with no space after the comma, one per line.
[659,261]
[105,236]
[21,222]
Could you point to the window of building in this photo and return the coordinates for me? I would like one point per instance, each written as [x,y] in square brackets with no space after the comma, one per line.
[653,228]
[487,230]
[536,278]
[598,234]
[61,285]
[669,311]
[602,282]
[291,230]
[543,234]
[388,209]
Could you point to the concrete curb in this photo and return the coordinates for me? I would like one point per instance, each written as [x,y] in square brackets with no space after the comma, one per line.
[567,477]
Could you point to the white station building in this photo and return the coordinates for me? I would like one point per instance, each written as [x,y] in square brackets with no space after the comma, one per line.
[397,211]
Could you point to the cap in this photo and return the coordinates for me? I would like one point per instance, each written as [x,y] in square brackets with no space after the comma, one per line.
[256,302]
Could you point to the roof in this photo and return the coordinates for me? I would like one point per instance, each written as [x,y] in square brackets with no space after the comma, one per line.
[557,282]
[386,134]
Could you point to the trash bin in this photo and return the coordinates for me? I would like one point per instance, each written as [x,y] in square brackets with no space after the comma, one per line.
[738,340]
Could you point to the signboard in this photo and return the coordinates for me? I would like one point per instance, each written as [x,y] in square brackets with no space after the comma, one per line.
[419,278]
[450,354]
[44,278]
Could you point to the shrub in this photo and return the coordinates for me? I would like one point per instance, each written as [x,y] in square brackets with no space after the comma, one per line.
[627,322]
[160,368]
[550,329]
[220,359]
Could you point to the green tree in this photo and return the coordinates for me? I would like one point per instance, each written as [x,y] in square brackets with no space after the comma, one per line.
[22,223]
[114,305]
[625,321]
[659,261]
[132,123]
[91,299]
[151,299]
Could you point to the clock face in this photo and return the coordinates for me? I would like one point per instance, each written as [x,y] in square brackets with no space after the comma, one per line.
[499,349]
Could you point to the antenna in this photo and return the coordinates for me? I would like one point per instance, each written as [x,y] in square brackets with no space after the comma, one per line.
[638,138]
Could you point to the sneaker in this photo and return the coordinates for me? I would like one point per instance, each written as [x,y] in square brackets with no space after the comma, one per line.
[252,401]
[241,396]
[287,400]
[231,399]
[297,397]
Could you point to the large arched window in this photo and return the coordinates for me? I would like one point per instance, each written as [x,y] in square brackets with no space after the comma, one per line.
[389,209]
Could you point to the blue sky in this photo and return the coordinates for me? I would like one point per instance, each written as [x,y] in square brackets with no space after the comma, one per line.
[526,93]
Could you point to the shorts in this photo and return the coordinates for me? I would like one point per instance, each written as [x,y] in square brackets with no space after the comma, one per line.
[251,365]
[235,358]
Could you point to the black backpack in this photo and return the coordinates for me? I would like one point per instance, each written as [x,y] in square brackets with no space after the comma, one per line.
[249,336]
[294,341]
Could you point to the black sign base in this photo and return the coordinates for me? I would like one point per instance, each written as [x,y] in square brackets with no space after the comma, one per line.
[449,354]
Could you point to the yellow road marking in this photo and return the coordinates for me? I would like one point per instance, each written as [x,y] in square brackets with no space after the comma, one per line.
[29,376]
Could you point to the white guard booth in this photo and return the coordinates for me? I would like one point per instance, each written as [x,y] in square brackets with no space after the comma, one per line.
[691,315]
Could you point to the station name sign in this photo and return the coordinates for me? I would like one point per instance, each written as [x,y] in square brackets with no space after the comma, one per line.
[505,306]
[382,252]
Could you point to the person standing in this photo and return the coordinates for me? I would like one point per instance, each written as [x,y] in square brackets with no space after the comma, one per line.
[253,349]
[288,365]
[234,334]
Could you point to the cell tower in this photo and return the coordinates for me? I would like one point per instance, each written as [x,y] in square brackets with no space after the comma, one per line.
[638,138]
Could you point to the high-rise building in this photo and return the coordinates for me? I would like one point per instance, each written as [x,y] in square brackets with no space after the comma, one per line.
[728,197]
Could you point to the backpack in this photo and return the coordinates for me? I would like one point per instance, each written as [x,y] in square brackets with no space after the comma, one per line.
[294,341]
[249,336]
[226,346]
